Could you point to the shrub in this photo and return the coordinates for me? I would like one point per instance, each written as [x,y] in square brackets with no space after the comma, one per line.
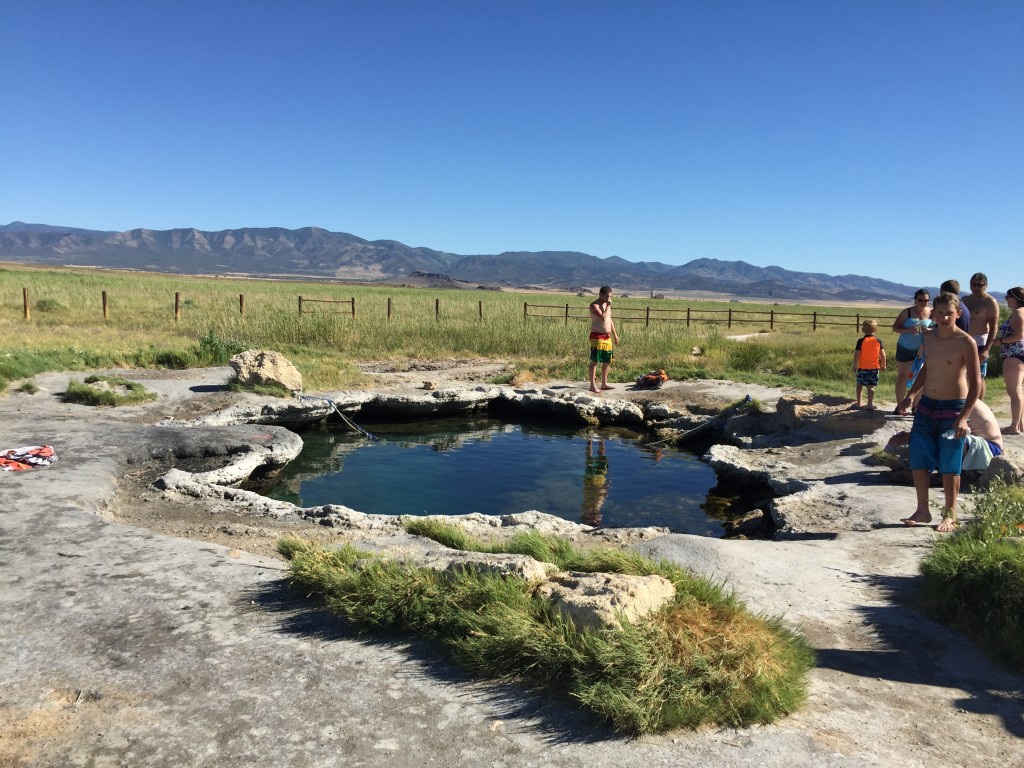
[974,579]
[48,305]
[213,350]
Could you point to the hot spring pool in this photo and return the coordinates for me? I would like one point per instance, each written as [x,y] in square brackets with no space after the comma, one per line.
[456,466]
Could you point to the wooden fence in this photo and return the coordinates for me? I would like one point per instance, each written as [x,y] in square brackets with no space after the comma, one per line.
[566,312]
[352,302]
[304,306]
[689,316]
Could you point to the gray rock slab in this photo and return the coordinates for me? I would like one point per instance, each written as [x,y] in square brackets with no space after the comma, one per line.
[121,646]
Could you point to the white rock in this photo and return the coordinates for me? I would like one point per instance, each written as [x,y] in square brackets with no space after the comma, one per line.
[256,366]
[597,600]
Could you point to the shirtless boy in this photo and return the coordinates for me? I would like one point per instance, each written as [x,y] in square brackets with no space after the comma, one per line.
[602,333]
[984,320]
[952,380]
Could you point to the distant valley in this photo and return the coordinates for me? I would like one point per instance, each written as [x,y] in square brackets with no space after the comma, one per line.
[314,253]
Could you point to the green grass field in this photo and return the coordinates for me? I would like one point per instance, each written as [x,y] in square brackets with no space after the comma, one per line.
[66,330]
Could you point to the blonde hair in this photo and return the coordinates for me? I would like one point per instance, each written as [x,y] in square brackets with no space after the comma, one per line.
[869,326]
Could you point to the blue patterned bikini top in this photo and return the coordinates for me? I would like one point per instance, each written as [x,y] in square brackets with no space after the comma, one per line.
[912,341]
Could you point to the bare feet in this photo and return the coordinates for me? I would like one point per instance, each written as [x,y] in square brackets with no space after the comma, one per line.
[1010,431]
[948,524]
[607,386]
[918,518]
[594,389]
[869,407]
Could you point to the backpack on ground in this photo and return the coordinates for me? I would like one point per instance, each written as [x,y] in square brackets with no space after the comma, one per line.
[652,380]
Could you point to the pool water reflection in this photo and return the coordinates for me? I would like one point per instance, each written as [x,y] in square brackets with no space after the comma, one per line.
[455,466]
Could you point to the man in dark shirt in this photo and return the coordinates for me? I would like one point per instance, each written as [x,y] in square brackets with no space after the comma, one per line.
[964,321]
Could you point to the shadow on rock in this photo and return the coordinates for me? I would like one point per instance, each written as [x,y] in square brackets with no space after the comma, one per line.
[534,710]
[934,655]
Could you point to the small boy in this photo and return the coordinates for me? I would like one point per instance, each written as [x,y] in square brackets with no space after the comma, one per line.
[868,358]
[951,380]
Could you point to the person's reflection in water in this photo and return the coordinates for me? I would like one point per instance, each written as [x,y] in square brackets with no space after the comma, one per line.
[595,483]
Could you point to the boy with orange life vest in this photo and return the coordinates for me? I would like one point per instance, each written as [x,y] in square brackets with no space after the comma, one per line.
[868,358]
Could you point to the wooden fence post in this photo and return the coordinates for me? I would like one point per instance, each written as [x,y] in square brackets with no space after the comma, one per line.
[647,321]
[177,306]
[437,309]
[241,305]
[771,321]
[730,318]
[104,295]
[353,307]
[24,301]
[389,307]
[567,314]
[481,309]
[300,306]
[687,317]
[814,321]
[857,321]
[526,310]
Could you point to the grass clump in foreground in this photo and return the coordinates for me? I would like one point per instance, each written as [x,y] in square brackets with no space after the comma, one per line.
[117,391]
[702,659]
[974,579]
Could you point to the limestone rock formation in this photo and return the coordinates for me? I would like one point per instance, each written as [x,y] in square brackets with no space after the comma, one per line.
[763,466]
[256,366]
[828,415]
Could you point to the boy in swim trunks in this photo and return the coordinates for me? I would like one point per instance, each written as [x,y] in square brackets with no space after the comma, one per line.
[868,357]
[602,332]
[952,380]
[983,425]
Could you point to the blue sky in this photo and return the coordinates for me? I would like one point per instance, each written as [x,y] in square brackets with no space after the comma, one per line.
[881,138]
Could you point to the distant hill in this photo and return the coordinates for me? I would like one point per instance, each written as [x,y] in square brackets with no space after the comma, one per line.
[313,253]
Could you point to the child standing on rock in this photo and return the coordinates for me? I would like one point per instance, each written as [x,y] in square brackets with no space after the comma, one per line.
[868,358]
[951,381]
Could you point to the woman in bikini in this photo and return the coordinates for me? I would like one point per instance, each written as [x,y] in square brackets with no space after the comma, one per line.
[910,324]
[1011,350]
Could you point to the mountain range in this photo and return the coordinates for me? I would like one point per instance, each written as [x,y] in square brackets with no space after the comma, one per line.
[315,253]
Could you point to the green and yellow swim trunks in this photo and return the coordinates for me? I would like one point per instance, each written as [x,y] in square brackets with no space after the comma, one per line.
[600,348]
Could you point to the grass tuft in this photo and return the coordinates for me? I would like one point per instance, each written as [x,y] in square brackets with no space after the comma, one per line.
[704,659]
[121,391]
[269,388]
[48,305]
[443,533]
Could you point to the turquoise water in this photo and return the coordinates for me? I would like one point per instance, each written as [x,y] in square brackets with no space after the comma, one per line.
[456,466]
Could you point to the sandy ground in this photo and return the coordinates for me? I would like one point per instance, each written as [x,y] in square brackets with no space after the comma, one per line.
[140,633]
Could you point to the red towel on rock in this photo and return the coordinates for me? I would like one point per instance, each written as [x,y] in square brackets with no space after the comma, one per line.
[15,459]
